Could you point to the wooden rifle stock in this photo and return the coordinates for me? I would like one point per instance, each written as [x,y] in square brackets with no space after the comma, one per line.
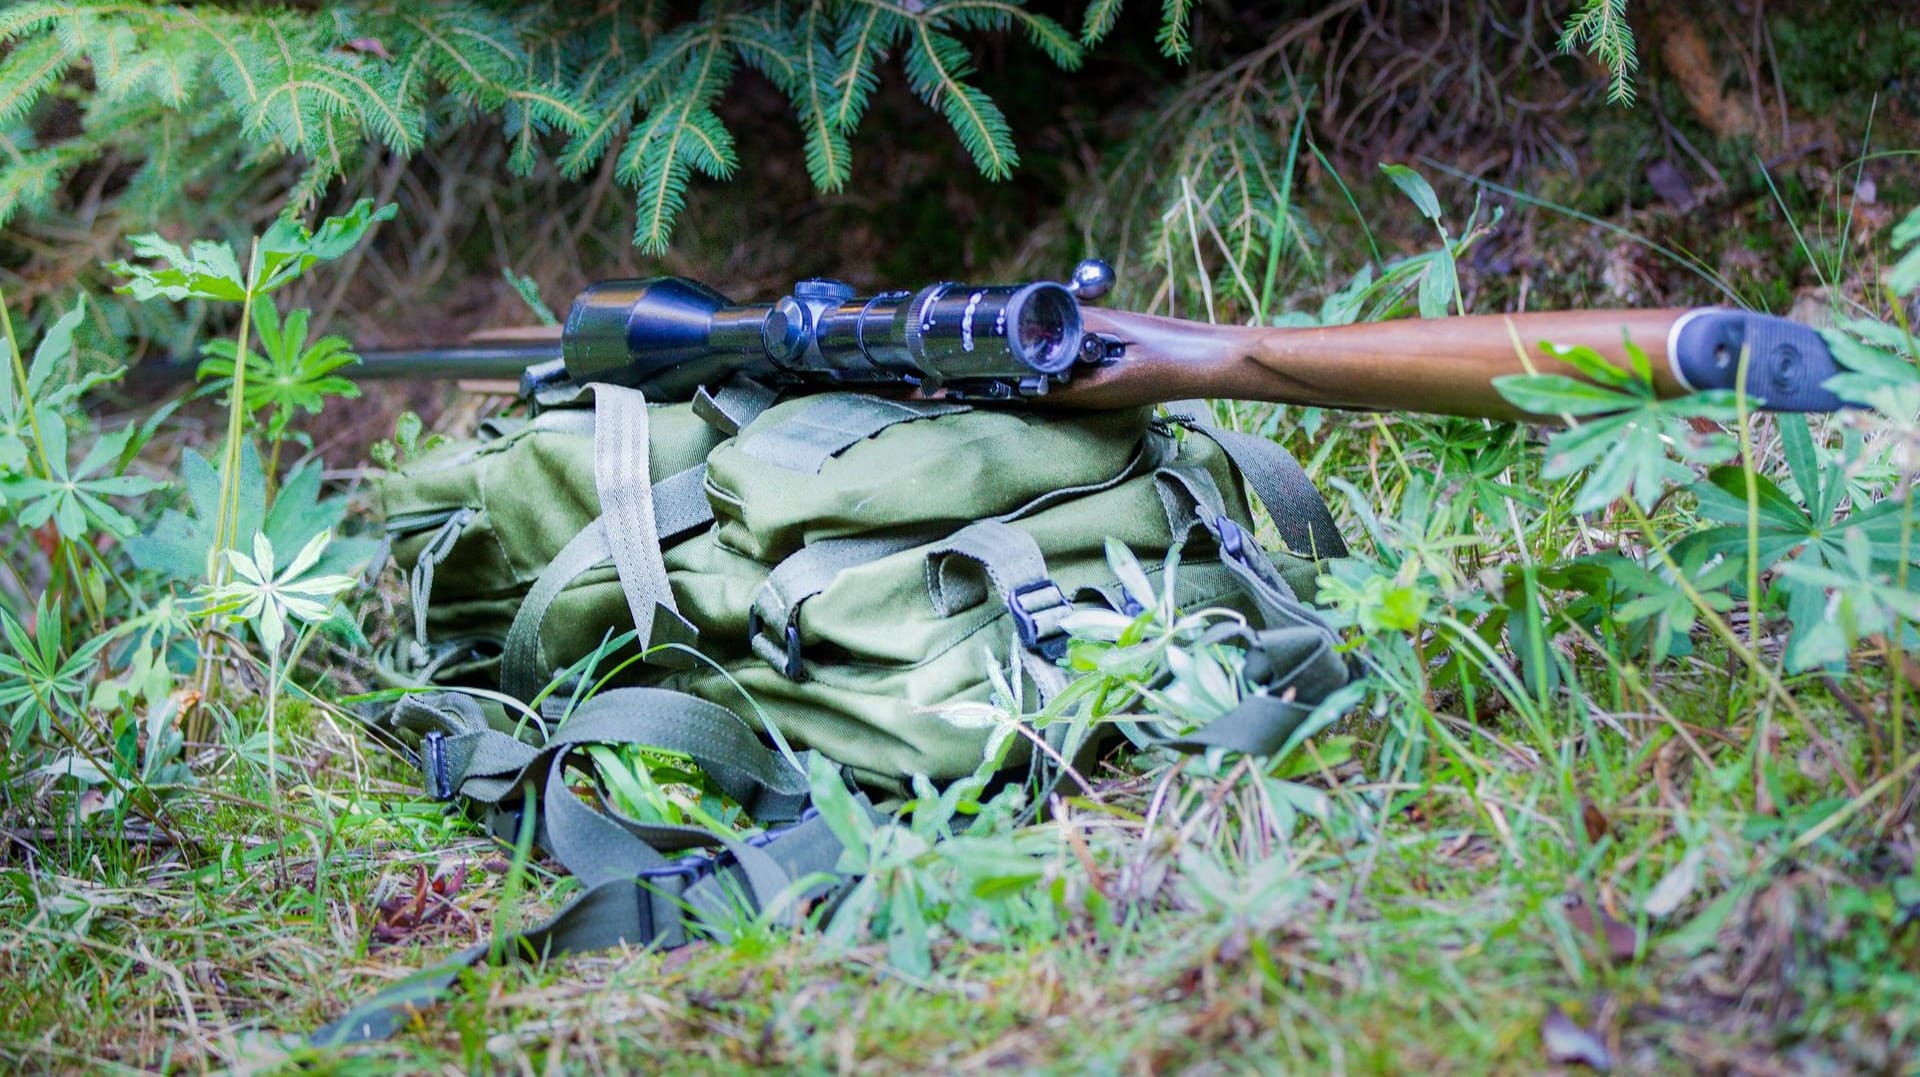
[1440,365]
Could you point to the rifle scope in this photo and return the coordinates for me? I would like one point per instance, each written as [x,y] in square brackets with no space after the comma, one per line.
[667,336]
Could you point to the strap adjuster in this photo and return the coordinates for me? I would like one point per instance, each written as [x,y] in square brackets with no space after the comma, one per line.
[1232,538]
[688,867]
[433,763]
[783,655]
[1038,609]
[694,865]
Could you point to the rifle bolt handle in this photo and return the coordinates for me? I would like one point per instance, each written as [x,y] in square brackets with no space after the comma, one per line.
[1092,279]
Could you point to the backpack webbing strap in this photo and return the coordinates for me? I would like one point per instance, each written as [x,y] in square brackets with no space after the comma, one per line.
[1011,562]
[1299,513]
[665,908]
[831,423]
[1293,657]
[462,755]
[739,402]
[521,664]
[773,621]
[420,581]
[620,475]
[679,505]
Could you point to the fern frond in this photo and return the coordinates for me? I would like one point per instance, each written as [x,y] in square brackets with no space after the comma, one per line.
[765,45]
[678,137]
[937,66]
[1047,35]
[1601,27]
[220,96]
[25,18]
[616,107]
[29,178]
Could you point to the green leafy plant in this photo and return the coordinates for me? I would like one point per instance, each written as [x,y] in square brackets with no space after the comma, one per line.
[179,544]
[288,375]
[950,864]
[269,599]
[409,440]
[1624,445]
[44,679]
[209,271]
[653,785]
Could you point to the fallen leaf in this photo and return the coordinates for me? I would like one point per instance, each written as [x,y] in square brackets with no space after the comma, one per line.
[1567,1041]
[1670,183]
[1620,937]
[92,803]
[372,46]
[1675,886]
[1595,820]
[427,903]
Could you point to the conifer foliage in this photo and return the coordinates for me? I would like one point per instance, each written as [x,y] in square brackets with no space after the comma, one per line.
[193,93]
[168,85]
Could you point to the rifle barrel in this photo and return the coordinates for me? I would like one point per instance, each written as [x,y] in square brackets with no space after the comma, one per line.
[505,362]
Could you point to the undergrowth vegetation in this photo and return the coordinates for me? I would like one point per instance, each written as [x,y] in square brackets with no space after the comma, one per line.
[1629,781]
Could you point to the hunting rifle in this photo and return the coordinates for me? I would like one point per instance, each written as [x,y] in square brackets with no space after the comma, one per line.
[1041,342]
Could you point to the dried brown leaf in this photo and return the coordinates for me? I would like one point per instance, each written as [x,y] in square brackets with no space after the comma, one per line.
[1567,1041]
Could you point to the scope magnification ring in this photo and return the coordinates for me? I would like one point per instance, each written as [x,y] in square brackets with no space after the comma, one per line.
[860,329]
[917,324]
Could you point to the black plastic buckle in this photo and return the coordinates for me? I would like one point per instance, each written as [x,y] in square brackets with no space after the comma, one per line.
[433,763]
[689,867]
[794,669]
[1233,540]
[1026,603]
[766,837]
[694,865]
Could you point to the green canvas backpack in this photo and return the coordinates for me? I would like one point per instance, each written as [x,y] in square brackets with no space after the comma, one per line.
[744,582]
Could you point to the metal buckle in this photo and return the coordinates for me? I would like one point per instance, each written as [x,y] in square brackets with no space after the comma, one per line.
[1026,603]
[767,836]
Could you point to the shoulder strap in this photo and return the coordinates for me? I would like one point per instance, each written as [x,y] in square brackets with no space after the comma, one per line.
[620,474]
[679,505]
[1300,514]
[635,895]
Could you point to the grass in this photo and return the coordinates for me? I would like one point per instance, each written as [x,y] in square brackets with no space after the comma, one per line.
[1430,922]
[1672,863]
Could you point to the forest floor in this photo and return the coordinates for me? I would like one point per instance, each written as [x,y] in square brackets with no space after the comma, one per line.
[1705,863]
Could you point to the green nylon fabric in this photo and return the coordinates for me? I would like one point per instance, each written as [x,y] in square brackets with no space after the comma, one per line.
[878,656]
[850,590]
